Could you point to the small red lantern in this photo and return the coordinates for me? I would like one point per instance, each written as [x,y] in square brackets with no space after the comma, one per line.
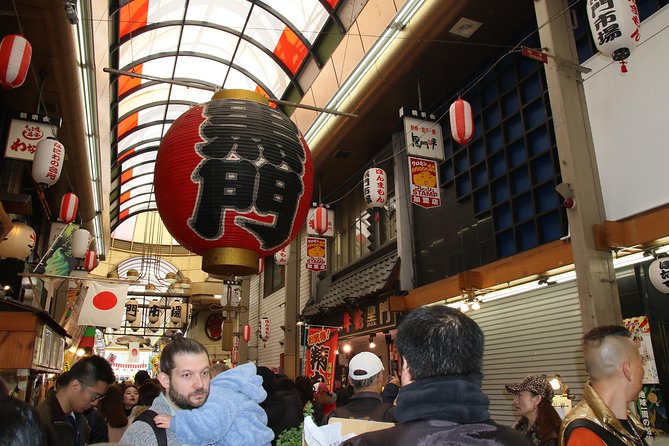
[243,175]
[462,122]
[321,221]
[48,161]
[69,205]
[246,333]
[91,261]
[15,55]
[374,184]
[263,329]
[614,25]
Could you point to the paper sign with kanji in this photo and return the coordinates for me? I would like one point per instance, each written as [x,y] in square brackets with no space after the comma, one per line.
[424,180]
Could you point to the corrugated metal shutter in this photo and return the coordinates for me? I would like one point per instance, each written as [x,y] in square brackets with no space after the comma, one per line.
[538,332]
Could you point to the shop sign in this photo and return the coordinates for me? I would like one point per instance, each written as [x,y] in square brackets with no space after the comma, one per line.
[423,136]
[25,133]
[371,316]
[640,329]
[424,180]
[316,254]
[321,356]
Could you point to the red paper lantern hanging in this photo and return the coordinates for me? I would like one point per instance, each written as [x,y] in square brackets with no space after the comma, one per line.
[614,25]
[374,187]
[243,175]
[48,161]
[263,329]
[321,220]
[246,333]
[91,261]
[69,205]
[462,122]
[15,55]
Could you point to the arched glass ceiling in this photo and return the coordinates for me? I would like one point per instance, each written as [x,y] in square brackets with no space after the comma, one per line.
[259,45]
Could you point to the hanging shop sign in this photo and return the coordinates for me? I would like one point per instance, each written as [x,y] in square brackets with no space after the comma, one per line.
[423,136]
[615,26]
[321,355]
[375,187]
[212,327]
[640,329]
[316,254]
[373,315]
[424,181]
[281,256]
[658,272]
[311,223]
[26,132]
[234,288]
[243,175]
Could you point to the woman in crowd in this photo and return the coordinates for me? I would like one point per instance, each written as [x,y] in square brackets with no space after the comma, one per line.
[112,407]
[537,417]
[130,398]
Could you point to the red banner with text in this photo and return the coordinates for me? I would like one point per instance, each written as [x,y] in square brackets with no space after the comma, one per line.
[321,357]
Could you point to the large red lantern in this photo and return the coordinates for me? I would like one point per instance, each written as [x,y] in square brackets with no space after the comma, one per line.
[321,221]
[68,207]
[614,25]
[246,333]
[48,162]
[91,261]
[243,175]
[15,55]
[462,122]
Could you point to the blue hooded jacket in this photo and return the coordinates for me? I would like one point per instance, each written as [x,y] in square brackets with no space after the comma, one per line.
[231,415]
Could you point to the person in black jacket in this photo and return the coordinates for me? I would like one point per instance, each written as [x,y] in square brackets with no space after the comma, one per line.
[441,402]
[280,416]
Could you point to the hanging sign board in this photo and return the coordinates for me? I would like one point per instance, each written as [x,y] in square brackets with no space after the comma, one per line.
[316,254]
[423,136]
[424,180]
[25,133]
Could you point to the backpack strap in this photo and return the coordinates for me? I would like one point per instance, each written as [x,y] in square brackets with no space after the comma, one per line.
[147,417]
[606,436]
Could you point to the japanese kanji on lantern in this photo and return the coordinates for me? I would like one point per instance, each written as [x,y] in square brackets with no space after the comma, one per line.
[175,313]
[658,272]
[374,187]
[131,310]
[462,122]
[91,260]
[246,333]
[243,177]
[48,162]
[15,55]
[19,243]
[281,256]
[263,329]
[614,25]
[69,204]
[80,240]
[154,315]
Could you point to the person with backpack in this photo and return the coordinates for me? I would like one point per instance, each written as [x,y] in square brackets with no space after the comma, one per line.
[365,373]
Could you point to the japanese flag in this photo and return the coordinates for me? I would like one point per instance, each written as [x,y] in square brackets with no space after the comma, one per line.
[104,305]
[133,352]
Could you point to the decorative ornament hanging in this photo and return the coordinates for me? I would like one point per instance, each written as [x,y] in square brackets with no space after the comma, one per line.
[244,176]
[15,55]
[321,221]
[263,329]
[374,187]
[69,204]
[19,243]
[658,272]
[462,122]
[132,274]
[80,240]
[246,333]
[281,256]
[154,315]
[176,312]
[615,26]
[91,260]
[48,162]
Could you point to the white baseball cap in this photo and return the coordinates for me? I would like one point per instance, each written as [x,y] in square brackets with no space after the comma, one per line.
[364,365]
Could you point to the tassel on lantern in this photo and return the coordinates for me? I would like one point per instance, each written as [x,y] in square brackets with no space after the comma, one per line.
[623,66]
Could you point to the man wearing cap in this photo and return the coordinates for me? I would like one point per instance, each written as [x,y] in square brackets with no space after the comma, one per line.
[538,419]
[615,368]
[441,401]
[365,373]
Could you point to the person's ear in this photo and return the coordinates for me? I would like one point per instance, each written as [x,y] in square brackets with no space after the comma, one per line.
[627,370]
[164,380]
[75,384]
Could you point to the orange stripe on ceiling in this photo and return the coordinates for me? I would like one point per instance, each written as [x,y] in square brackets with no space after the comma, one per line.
[125,197]
[127,124]
[133,16]
[125,155]
[126,176]
[125,83]
[290,50]
[124,215]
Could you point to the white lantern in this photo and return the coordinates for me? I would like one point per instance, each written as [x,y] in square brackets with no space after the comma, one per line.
[175,312]
[48,161]
[131,310]
[80,240]
[91,261]
[185,313]
[19,243]
[374,186]
[154,315]
[658,272]
[281,256]
[614,25]
[263,329]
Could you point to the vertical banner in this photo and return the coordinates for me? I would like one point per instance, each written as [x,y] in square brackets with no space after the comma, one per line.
[424,181]
[640,329]
[316,254]
[321,357]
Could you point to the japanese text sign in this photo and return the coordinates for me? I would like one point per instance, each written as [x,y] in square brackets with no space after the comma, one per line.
[24,135]
[424,180]
[321,355]
[316,254]
[423,138]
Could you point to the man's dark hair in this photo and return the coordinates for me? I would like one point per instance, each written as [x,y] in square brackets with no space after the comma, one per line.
[149,391]
[20,424]
[439,340]
[88,371]
[597,335]
[179,346]
[141,377]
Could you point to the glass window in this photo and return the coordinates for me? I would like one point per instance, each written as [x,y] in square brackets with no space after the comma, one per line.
[275,276]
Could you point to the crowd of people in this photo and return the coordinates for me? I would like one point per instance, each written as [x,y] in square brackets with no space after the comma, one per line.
[435,400]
